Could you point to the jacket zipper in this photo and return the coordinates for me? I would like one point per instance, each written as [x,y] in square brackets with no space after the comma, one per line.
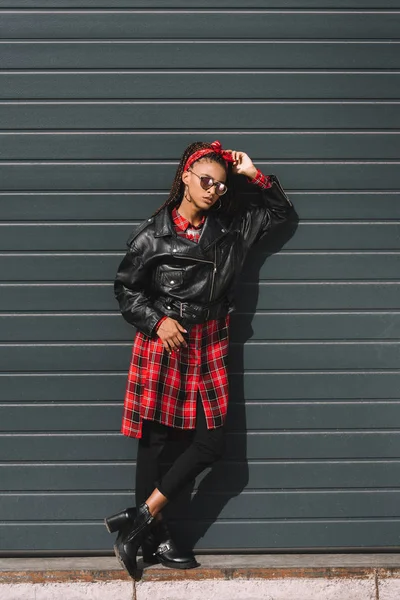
[211,263]
[214,271]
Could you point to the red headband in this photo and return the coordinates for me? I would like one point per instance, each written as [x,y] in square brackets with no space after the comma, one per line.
[216,148]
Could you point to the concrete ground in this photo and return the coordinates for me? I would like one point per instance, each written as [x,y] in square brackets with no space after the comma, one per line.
[223,577]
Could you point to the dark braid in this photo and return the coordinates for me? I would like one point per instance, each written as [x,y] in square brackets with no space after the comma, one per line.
[228,200]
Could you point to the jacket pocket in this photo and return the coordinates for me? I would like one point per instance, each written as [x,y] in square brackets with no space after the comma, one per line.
[171,279]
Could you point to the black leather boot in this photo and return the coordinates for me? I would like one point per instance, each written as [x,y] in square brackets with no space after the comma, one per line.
[158,546]
[120,520]
[131,537]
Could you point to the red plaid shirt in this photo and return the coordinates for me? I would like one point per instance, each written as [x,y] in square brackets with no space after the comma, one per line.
[163,387]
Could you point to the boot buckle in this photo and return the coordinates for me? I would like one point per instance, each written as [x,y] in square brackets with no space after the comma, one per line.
[163,547]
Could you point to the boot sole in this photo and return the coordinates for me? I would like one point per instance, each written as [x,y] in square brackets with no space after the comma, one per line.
[174,565]
[127,566]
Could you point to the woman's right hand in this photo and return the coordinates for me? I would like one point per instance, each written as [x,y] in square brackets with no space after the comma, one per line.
[170,334]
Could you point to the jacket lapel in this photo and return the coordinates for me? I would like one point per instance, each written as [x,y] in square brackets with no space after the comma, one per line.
[163,224]
[213,230]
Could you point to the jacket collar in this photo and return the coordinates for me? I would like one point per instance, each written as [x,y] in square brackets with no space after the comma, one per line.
[213,229]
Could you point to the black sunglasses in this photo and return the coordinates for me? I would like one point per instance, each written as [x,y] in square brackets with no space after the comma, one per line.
[207,182]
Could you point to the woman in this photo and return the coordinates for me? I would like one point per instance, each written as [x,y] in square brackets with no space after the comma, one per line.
[175,285]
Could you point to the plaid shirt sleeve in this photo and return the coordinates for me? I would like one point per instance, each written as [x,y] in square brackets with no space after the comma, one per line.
[263,181]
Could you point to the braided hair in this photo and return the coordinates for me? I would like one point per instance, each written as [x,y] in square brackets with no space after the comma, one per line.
[228,200]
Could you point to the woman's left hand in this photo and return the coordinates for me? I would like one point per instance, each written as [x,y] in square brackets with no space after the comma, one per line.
[243,165]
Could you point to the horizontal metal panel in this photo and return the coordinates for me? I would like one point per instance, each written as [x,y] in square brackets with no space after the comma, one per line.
[112,236]
[225,475]
[286,265]
[59,267]
[233,4]
[118,476]
[181,85]
[294,325]
[108,206]
[320,265]
[224,535]
[248,505]
[169,146]
[188,54]
[126,176]
[60,417]
[271,325]
[114,446]
[251,297]
[342,205]
[332,385]
[57,296]
[301,355]
[241,416]
[257,356]
[106,386]
[316,295]
[198,24]
[219,115]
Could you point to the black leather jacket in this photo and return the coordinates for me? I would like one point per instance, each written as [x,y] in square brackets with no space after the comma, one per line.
[165,274]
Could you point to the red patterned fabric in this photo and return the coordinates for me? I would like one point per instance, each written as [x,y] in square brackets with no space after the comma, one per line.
[162,386]
[215,148]
[184,228]
[263,181]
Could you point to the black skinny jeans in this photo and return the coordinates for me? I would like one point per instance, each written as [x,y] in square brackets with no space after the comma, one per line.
[202,447]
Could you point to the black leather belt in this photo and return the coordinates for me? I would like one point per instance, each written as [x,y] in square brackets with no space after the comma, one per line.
[190,311]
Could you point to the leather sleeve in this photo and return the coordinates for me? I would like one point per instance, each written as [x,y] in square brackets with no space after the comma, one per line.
[269,209]
[129,289]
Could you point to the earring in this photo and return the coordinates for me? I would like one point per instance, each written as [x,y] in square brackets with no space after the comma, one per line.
[186,195]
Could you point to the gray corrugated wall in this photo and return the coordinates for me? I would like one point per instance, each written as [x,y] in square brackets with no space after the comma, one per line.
[97,101]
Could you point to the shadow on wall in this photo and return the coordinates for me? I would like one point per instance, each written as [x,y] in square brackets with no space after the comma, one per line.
[229,476]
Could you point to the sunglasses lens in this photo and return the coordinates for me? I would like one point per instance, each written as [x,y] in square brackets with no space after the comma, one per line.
[206,182]
[221,188]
